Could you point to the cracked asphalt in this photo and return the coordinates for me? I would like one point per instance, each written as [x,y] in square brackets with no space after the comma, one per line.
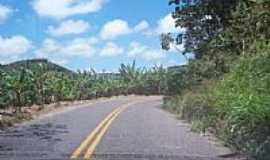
[142,132]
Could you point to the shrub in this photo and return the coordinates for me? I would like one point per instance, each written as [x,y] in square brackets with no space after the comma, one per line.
[242,99]
[192,104]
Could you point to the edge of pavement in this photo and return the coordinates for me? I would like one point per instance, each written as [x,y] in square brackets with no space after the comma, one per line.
[64,108]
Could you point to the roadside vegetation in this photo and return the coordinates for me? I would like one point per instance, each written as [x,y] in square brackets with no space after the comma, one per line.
[225,89]
[39,82]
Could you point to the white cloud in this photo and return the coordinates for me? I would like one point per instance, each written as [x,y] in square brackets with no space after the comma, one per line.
[142,51]
[143,25]
[64,8]
[64,51]
[114,29]
[69,27]
[4,12]
[167,24]
[79,47]
[60,61]
[14,46]
[111,49]
[177,48]
[135,49]
[153,54]
[119,27]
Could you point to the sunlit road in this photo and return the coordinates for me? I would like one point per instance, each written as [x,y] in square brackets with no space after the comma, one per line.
[136,129]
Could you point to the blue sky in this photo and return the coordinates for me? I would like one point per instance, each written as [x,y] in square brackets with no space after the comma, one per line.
[80,34]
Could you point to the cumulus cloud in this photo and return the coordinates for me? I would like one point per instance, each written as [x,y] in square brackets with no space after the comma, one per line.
[111,49]
[142,51]
[14,46]
[69,27]
[64,8]
[64,51]
[4,12]
[119,27]
[136,49]
[114,29]
[166,24]
[142,26]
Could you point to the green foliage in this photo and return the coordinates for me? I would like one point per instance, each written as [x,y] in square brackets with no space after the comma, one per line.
[166,40]
[225,88]
[4,98]
[222,30]
[192,104]
[186,77]
[243,100]
[37,82]
[32,64]
[143,81]
[235,108]
[19,87]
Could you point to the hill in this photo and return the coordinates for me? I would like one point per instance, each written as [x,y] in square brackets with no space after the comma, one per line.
[29,64]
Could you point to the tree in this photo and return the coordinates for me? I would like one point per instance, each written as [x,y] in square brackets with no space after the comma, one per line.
[220,24]
[166,41]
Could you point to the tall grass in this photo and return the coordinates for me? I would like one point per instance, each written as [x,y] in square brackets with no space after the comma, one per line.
[235,108]
[242,99]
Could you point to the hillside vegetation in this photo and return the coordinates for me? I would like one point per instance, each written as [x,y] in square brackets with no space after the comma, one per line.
[31,65]
[225,89]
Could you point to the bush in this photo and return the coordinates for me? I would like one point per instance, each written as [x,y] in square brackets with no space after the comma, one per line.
[191,104]
[236,108]
[173,104]
[242,99]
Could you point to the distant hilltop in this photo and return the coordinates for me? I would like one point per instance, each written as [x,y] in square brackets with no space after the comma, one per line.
[29,64]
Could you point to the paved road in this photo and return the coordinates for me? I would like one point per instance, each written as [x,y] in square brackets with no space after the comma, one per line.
[142,131]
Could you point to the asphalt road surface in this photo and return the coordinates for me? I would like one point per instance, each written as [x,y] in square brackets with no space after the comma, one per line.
[123,128]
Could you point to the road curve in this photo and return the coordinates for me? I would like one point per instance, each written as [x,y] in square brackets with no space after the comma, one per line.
[138,130]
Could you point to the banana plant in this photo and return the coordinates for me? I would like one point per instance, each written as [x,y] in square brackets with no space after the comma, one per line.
[37,84]
[133,76]
[4,98]
[40,75]
[19,84]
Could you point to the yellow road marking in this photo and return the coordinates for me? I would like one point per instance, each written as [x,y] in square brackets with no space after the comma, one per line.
[75,155]
[97,140]
[95,137]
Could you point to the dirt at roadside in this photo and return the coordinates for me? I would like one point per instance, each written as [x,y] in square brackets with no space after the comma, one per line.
[8,118]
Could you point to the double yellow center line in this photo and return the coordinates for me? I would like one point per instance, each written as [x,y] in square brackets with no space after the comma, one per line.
[90,143]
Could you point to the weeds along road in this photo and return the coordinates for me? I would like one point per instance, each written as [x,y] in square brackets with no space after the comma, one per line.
[123,128]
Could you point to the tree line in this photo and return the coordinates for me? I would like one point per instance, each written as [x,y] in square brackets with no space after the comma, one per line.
[39,84]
